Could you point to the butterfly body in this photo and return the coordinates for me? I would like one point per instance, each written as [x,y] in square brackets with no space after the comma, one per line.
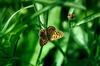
[49,34]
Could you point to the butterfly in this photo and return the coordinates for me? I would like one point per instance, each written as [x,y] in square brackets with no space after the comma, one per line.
[49,34]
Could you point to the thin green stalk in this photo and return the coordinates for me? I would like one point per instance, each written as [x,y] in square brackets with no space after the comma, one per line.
[37,62]
[9,29]
[98,46]
[40,23]
[46,19]
[14,51]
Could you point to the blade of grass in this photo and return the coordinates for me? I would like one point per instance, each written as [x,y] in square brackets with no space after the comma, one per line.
[75,5]
[87,19]
[9,29]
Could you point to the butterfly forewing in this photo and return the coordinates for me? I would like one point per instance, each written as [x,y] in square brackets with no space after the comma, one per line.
[57,35]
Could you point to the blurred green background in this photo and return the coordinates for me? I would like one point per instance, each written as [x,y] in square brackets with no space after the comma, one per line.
[21,21]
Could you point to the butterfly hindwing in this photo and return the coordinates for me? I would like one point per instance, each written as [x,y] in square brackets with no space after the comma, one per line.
[43,41]
[43,37]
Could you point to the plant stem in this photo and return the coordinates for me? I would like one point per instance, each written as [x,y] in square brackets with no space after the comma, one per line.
[46,19]
[37,62]
[40,23]
[14,52]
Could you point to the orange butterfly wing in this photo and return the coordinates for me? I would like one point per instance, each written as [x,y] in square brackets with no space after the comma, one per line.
[53,34]
[57,35]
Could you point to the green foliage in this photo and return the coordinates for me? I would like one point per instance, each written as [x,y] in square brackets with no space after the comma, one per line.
[21,21]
